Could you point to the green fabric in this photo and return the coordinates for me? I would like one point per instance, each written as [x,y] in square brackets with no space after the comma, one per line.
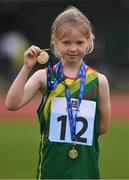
[54,161]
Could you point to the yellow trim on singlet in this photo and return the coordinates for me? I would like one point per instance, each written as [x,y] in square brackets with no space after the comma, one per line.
[41,155]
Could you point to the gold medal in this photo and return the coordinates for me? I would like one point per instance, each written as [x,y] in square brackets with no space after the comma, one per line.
[73,153]
[43,57]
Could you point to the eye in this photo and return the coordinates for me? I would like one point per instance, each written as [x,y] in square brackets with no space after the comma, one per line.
[66,42]
[80,42]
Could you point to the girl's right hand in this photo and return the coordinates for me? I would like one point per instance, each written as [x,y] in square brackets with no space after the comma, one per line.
[30,56]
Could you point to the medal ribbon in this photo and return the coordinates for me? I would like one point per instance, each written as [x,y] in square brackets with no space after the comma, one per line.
[52,85]
[72,118]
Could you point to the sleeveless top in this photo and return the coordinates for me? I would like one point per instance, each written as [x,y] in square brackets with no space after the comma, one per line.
[54,160]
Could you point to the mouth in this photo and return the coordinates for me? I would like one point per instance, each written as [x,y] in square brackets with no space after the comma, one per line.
[72,55]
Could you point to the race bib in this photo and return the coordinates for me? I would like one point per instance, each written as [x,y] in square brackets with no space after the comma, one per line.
[59,121]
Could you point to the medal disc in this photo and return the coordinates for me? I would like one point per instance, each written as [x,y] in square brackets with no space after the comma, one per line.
[43,57]
[73,154]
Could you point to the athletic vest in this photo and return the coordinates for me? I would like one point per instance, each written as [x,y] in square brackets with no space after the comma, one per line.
[54,160]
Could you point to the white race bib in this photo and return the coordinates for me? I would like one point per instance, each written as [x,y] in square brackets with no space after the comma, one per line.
[59,121]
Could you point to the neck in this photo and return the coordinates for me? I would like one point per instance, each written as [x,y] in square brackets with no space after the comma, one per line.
[71,69]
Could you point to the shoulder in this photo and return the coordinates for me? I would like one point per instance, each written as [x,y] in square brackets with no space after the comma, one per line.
[102,78]
[104,91]
[40,76]
[104,103]
[40,73]
[103,81]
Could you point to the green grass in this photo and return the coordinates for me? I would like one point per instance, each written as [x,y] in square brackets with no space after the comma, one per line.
[19,142]
[114,151]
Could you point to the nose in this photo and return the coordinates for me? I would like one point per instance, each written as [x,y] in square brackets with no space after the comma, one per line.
[72,48]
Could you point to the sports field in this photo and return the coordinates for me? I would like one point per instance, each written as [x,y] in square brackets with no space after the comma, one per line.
[19,142]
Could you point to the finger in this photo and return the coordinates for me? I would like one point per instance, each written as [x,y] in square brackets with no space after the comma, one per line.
[37,49]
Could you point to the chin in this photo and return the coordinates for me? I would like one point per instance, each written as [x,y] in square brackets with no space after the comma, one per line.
[72,59]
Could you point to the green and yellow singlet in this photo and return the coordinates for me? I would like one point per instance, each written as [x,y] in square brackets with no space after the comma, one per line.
[54,160]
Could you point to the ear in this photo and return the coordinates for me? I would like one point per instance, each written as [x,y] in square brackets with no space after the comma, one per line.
[54,40]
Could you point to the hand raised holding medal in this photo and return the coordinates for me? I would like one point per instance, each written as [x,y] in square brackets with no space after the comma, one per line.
[35,54]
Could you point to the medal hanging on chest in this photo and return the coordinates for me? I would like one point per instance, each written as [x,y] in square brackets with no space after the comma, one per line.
[73,153]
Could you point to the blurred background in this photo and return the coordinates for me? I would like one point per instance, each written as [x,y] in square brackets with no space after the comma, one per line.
[27,22]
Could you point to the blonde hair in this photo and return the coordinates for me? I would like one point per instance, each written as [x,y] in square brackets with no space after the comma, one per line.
[72,16]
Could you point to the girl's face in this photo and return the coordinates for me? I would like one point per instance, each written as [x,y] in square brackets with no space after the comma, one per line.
[72,45]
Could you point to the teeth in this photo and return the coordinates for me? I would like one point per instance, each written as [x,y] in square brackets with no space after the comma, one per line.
[43,57]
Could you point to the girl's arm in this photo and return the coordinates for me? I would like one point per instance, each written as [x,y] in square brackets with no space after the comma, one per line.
[104,104]
[22,91]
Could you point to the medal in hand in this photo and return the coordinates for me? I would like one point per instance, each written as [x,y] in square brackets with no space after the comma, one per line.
[43,57]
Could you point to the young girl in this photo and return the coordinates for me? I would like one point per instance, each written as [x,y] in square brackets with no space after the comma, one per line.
[75,107]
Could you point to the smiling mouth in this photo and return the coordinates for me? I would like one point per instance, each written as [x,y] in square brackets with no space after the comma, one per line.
[72,55]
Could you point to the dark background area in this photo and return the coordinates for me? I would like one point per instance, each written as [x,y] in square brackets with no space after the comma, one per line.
[27,22]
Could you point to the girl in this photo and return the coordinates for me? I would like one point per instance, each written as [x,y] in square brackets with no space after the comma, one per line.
[75,108]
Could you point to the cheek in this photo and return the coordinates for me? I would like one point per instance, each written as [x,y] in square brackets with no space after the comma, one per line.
[83,52]
[62,49]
